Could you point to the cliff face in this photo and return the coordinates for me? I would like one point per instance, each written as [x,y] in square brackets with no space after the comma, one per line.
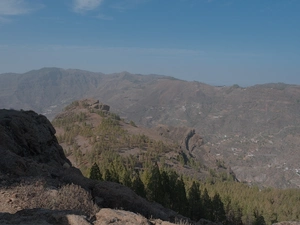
[28,144]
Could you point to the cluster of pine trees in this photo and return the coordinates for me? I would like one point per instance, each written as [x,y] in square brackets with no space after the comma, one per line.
[228,202]
[166,187]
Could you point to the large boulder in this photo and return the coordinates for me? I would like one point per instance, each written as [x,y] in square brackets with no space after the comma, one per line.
[28,145]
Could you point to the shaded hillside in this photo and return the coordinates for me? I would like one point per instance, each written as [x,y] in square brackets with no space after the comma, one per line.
[255,129]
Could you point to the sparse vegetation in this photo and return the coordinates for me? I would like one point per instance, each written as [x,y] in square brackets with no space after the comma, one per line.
[132,123]
[68,197]
[73,104]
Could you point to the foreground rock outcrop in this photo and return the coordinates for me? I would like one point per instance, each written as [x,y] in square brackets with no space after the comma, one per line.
[28,145]
[105,216]
[35,173]
[44,217]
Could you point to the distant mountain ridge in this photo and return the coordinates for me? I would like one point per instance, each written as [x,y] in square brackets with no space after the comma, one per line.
[256,129]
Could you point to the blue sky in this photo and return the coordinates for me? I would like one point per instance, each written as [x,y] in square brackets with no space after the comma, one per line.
[219,42]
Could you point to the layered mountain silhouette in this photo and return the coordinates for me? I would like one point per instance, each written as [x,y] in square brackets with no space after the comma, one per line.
[255,130]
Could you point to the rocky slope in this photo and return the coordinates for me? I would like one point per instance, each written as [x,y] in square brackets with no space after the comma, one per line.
[34,173]
[79,131]
[105,216]
[255,129]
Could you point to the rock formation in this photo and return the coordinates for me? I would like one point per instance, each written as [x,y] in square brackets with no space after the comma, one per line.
[192,140]
[186,137]
[94,104]
[28,145]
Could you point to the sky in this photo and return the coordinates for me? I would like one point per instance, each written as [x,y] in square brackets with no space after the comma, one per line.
[218,42]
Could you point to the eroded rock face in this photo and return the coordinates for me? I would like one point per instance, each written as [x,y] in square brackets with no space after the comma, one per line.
[186,137]
[101,107]
[27,142]
[193,140]
[95,104]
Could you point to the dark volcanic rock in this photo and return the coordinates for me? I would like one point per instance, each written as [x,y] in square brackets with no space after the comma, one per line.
[28,139]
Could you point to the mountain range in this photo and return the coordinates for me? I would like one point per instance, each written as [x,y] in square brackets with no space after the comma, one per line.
[255,130]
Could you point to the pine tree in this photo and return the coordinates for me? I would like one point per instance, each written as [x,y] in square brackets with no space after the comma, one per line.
[165,182]
[258,218]
[138,186]
[95,173]
[126,178]
[153,185]
[180,201]
[207,205]
[194,202]
[107,175]
[233,213]
[219,214]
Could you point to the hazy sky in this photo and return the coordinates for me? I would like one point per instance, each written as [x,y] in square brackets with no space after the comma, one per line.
[220,42]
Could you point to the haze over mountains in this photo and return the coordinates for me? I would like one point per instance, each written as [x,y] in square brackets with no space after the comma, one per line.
[255,130]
